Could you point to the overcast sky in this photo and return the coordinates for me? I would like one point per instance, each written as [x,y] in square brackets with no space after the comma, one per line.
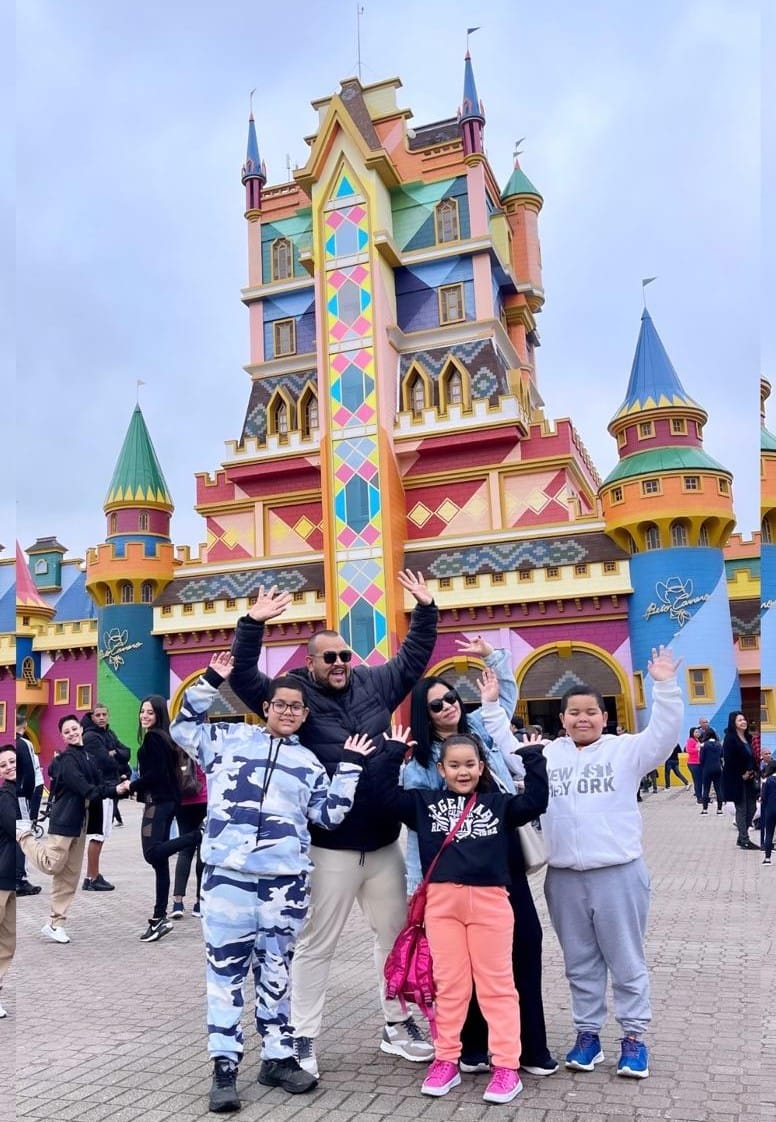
[642,127]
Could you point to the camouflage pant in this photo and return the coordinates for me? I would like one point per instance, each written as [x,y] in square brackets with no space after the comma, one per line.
[250,922]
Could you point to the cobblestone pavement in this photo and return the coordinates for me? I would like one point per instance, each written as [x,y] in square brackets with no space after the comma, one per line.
[111,1029]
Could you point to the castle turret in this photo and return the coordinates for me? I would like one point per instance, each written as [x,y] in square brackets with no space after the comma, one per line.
[522,203]
[46,563]
[471,115]
[669,504]
[254,174]
[126,574]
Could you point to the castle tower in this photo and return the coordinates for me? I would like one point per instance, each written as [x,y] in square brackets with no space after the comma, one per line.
[669,504]
[767,575]
[126,574]
[32,615]
[522,204]
[471,115]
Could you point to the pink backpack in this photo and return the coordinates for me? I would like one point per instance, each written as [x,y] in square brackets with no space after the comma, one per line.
[409,970]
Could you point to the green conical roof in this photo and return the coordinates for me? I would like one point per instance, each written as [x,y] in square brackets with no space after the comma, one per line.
[138,477]
[767,440]
[519,184]
[681,458]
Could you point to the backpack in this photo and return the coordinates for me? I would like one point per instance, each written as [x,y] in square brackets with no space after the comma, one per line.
[409,969]
[187,774]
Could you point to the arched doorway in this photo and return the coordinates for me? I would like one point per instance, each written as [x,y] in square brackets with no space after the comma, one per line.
[552,670]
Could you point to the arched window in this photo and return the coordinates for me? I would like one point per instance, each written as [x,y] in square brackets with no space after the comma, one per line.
[703,536]
[108,596]
[28,672]
[455,389]
[651,536]
[127,593]
[147,592]
[41,567]
[281,419]
[310,415]
[679,535]
[767,533]
[280,415]
[282,259]
[447,227]
[114,523]
[142,521]
[417,395]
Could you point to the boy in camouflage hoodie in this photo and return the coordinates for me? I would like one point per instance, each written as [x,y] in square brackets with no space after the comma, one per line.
[263,789]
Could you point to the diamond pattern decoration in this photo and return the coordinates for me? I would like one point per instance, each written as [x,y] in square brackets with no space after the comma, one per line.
[420,514]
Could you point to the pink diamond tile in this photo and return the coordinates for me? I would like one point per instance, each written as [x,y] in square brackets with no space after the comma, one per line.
[363,359]
[365,413]
[338,330]
[342,416]
[374,658]
[362,325]
[344,473]
[339,362]
[349,596]
[374,595]
[346,537]
[356,213]
[368,470]
[359,274]
[370,534]
[335,219]
[337,278]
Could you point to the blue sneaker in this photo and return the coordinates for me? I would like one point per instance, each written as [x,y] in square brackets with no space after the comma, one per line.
[634,1059]
[586,1053]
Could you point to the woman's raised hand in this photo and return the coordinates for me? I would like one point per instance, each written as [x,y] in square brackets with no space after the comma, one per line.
[487,684]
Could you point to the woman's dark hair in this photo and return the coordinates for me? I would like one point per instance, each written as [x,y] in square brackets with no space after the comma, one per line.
[692,732]
[731,725]
[159,706]
[486,779]
[7,748]
[287,682]
[420,718]
[67,717]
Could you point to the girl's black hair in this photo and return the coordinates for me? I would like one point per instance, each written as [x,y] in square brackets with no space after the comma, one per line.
[159,706]
[486,782]
[731,725]
[420,718]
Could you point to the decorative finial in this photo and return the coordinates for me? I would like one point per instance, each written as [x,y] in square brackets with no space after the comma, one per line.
[518,150]
[140,383]
[470,31]
[644,283]
[250,97]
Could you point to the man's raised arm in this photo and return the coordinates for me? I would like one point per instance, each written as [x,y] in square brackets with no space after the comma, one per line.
[247,681]
[396,677]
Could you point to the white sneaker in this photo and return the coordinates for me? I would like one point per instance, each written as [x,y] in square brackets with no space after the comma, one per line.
[56,934]
[3,1012]
[406,1040]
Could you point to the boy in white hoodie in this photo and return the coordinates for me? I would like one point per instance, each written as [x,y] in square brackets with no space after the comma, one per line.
[597,885]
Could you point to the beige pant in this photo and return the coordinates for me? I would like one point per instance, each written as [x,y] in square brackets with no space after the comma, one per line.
[60,858]
[7,931]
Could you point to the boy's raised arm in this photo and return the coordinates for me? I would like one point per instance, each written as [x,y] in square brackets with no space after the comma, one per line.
[191,729]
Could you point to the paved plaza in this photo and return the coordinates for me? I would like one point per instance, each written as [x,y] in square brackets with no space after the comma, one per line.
[112,1029]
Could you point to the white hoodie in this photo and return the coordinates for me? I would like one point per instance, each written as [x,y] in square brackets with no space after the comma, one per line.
[593,819]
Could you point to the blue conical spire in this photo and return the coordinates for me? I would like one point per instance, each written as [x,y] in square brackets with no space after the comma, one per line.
[653,381]
[253,168]
[471,107]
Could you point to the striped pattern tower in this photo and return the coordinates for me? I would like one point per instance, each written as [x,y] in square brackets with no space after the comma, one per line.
[125,575]
[669,504]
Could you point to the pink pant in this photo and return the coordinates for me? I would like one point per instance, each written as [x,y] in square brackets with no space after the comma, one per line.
[470,933]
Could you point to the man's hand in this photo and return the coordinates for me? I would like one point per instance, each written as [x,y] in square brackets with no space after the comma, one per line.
[487,684]
[222,663]
[360,744]
[122,788]
[415,584]
[662,666]
[478,647]
[269,604]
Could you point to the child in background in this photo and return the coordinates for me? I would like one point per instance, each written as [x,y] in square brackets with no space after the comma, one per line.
[597,885]
[469,920]
[264,788]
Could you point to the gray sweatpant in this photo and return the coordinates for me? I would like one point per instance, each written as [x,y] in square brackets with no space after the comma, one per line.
[600,917]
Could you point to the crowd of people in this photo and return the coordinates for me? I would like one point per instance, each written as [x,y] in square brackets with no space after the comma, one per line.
[292,822]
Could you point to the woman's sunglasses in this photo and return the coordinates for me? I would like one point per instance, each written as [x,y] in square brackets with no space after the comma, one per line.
[438,704]
[330,657]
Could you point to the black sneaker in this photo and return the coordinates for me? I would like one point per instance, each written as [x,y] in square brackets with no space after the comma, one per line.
[87,885]
[223,1089]
[747,845]
[286,1073]
[100,884]
[157,929]
[24,888]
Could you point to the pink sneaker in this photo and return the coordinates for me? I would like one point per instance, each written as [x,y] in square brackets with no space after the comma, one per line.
[442,1076]
[504,1086]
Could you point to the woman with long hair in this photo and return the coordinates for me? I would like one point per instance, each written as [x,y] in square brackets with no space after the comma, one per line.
[158,785]
[437,713]
[739,773]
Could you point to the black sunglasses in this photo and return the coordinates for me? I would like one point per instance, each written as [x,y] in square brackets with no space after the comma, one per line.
[438,704]
[330,657]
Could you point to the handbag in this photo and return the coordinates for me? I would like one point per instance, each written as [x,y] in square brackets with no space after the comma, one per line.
[408,969]
[533,847]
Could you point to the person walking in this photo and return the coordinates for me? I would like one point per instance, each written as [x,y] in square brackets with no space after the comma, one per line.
[159,786]
[77,810]
[710,756]
[693,748]
[739,775]
[469,920]
[361,860]
[671,767]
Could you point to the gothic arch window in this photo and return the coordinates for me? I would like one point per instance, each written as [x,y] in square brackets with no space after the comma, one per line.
[651,536]
[280,415]
[142,521]
[416,392]
[41,567]
[147,592]
[126,592]
[454,387]
[447,224]
[108,596]
[282,259]
[679,535]
[309,416]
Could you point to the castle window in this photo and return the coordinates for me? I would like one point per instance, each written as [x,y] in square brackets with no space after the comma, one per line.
[209,606]
[284,333]
[691,483]
[678,426]
[41,567]
[611,567]
[580,570]
[281,419]
[445,582]
[299,597]
[147,592]
[310,420]
[638,688]
[127,593]
[650,487]
[646,429]
[454,389]
[188,609]
[471,580]
[552,572]
[723,486]
[699,430]
[28,672]
[699,683]
[108,596]
[142,521]
[231,602]
[765,532]
[679,535]
[447,227]
[282,259]
[767,707]
[83,697]
[525,574]
[497,578]
[451,305]
[749,642]
[418,395]
[167,609]
[61,691]
[703,536]
[617,494]
[114,523]
[651,537]
[622,438]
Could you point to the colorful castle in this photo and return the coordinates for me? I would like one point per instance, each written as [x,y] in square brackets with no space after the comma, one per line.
[395,420]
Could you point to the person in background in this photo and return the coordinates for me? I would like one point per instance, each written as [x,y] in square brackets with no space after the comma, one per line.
[739,774]
[671,767]
[77,810]
[112,758]
[693,750]
[710,756]
[597,885]
[9,809]
[768,810]
[26,788]
[191,814]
